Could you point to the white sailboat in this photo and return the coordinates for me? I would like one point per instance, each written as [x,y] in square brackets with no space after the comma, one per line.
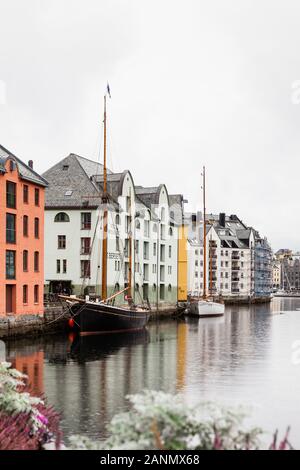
[206,307]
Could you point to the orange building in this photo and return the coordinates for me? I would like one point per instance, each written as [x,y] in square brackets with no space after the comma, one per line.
[21,236]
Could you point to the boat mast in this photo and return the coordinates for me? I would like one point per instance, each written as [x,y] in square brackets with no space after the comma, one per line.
[210,268]
[204,236]
[129,292]
[104,202]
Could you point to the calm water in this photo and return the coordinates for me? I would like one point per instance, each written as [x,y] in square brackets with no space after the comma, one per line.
[244,358]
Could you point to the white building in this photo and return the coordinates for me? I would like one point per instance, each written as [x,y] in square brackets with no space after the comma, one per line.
[73,231]
[230,254]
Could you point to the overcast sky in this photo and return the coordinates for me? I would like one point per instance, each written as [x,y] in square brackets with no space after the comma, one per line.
[193,82]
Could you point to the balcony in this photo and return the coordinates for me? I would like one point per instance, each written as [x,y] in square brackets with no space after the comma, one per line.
[235,257]
[235,268]
[235,291]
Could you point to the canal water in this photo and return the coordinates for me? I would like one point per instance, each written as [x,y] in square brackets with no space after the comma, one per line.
[250,357]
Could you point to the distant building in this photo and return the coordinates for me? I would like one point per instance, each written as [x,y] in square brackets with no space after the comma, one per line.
[73,219]
[21,237]
[263,280]
[276,275]
[290,272]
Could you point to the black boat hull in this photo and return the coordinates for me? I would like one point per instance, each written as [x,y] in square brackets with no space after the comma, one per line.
[95,318]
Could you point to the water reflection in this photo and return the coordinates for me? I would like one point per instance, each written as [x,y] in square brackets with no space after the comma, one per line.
[241,358]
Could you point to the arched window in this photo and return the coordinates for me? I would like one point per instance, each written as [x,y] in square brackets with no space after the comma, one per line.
[117,219]
[170,231]
[62,217]
[117,287]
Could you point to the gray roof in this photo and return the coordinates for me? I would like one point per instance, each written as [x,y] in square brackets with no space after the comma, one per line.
[70,184]
[25,172]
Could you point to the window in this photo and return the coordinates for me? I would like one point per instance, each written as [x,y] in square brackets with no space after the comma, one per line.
[155,228]
[85,268]
[162,253]
[117,265]
[25,194]
[58,266]
[61,217]
[86,220]
[169,288]
[10,228]
[153,268]
[137,267]
[10,264]
[162,232]
[25,225]
[196,252]
[117,219]
[36,294]
[170,251]
[163,212]
[146,250]
[65,167]
[69,192]
[154,249]
[137,224]
[117,243]
[169,269]
[61,242]
[25,260]
[25,294]
[170,232]
[36,196]
[196,274]
[64,266]
[196,262]
[36,227]
[146,228]
[136,246]
[10,194]
[85,246]
[36,261]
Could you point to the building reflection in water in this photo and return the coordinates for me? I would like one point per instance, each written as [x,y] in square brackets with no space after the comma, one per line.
[233,358]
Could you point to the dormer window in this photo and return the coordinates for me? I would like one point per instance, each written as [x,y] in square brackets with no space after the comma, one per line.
[69,192]
[65,167]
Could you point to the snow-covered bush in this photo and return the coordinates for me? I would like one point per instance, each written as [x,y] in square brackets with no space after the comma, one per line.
[25,421]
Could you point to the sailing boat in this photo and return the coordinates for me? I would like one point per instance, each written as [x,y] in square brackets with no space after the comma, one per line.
[206,307]
[96,317]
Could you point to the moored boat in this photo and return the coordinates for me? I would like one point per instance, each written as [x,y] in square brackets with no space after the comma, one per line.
[103,316]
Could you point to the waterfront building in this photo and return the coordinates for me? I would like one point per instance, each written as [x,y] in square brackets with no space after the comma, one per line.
[238,259]
[262,267]
[276,275]
[290,272]
[73,218]
[21,237]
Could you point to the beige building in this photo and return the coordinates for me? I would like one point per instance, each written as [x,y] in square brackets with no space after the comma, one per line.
[276,275]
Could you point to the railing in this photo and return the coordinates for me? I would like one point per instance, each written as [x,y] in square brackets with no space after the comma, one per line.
[235,257]
[235,268]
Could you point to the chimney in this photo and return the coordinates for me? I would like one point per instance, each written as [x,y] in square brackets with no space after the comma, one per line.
[30,164]
[222,219]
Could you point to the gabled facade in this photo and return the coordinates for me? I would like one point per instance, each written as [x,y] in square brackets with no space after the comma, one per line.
[238,260]
[21,237]
[74,231]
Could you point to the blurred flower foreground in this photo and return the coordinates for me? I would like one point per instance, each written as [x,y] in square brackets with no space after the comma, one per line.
[156,421]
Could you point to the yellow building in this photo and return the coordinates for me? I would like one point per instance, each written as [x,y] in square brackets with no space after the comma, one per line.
[182,264]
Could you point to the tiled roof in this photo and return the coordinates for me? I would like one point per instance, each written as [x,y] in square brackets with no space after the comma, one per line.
[25,171]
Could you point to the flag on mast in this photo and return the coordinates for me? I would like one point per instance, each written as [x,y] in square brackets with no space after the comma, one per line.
[108,90]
